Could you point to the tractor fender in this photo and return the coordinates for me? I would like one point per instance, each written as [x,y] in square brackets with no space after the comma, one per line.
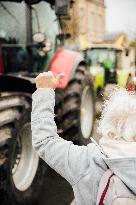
[12,83]
[65,61]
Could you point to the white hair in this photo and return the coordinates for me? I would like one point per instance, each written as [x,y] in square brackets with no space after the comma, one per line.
[118,120]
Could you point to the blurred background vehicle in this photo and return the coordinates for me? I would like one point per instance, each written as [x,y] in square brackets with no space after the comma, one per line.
[111,63]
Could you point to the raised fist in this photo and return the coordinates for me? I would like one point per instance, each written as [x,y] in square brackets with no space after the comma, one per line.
[48,80]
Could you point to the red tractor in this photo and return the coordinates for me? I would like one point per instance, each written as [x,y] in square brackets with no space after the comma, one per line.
[21,170]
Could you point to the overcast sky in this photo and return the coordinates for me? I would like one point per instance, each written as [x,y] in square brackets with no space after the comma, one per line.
[121,15]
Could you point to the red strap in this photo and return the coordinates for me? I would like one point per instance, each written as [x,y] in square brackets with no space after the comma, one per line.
[1,64]
[105,191]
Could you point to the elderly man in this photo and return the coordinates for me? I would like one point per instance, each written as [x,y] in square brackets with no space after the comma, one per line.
[86,168]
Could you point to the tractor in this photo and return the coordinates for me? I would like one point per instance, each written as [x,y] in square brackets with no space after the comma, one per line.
[110,65]
[21,170]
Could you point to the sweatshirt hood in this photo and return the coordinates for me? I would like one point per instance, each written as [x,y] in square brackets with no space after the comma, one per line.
[125,169]
[120,156]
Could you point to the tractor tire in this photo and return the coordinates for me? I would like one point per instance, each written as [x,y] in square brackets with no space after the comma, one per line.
[77,108]
[21,170]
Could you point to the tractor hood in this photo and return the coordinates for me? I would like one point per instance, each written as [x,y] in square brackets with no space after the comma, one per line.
[30,2]
[61,7]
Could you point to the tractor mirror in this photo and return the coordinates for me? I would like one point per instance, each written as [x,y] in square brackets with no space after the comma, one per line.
[38,37]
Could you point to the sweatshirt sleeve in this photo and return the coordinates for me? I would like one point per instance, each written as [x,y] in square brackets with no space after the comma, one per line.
[69,160]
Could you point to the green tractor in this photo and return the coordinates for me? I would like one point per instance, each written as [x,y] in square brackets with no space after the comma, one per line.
[107,65]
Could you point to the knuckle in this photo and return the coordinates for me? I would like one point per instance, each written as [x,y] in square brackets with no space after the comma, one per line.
[38,76]
[36,79]
[50,73]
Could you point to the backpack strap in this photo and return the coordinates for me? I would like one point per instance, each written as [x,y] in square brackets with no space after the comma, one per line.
[105,190]
[103,186]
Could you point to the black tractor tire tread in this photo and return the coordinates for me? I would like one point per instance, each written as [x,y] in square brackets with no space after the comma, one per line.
[71,106]
[9,116]
[5,134]
[11,101]
[70,109]
[9,113]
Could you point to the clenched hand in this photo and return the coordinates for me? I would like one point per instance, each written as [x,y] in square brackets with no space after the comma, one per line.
[48,80]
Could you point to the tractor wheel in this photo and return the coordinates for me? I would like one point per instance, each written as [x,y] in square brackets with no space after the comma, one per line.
[77,109]
[21,170]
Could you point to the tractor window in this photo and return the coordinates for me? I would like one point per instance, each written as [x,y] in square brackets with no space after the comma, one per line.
[98,56]
[13,21]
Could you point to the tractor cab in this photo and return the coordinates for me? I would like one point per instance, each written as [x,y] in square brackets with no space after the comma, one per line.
[17,57]
[104,61]
[26,39]
[111,62]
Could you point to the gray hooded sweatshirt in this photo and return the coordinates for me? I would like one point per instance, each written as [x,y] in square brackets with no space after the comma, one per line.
[81,166]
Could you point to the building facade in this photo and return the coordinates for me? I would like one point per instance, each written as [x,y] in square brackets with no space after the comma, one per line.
[92,19]
[86,21]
